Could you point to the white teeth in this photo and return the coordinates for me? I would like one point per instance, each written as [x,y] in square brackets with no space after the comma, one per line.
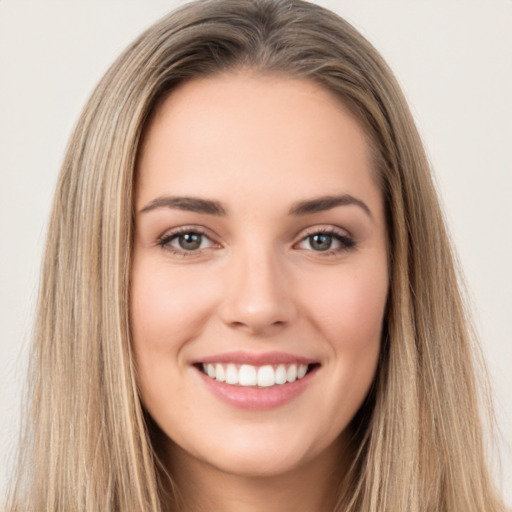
[266,376]
[281,374]
[249,375]
[219,373]
[231,374]
[303,368]
[291,374]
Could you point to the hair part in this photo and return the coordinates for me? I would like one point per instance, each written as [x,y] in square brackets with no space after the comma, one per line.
[88,446]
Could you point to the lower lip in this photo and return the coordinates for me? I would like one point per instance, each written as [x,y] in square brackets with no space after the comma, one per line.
[256,398]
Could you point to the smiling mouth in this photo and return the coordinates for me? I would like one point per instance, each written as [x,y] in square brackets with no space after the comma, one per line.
[263,376]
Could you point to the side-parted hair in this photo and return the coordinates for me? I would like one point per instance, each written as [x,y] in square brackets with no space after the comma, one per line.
[87,447]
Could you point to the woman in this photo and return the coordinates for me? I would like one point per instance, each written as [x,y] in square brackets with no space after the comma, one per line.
[247,257]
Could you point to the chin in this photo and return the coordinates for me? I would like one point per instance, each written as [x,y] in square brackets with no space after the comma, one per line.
[259,451]
[260,462]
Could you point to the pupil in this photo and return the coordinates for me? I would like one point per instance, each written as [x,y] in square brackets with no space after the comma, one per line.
[190,241]
[321,242]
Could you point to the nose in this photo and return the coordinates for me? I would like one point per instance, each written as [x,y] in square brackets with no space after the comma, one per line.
[259,299]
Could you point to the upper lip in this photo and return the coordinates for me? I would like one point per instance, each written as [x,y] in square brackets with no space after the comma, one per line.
[256,359]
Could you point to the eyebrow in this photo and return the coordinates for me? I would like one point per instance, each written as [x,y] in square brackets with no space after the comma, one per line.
[324,203]
[191,204]
[210,207]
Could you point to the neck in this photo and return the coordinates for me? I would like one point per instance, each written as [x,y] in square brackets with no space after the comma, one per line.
[311,486]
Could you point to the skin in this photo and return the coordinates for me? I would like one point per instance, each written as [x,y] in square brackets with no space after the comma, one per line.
[257,145]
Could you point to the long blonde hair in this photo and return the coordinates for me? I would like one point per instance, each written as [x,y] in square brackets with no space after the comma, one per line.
[87,445]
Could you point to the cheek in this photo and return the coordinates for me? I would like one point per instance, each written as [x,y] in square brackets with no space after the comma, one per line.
[342,309]
[165,313]
[166,308]
[348,308]
[349,313]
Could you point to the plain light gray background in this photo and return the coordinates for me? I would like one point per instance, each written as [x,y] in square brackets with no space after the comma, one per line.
[453,58]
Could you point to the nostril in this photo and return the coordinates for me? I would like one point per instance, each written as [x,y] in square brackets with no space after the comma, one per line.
[258,324]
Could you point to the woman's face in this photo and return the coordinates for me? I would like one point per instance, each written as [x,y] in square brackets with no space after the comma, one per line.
[259,276]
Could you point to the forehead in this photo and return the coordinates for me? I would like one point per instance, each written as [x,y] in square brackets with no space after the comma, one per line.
[237,132]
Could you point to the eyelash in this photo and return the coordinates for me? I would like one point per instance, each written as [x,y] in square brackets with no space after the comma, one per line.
[165,240]
[346,242]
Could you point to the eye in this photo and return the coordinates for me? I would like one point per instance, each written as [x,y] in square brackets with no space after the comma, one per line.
[320,242]
[189,241]
[328,241]
[185,241]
